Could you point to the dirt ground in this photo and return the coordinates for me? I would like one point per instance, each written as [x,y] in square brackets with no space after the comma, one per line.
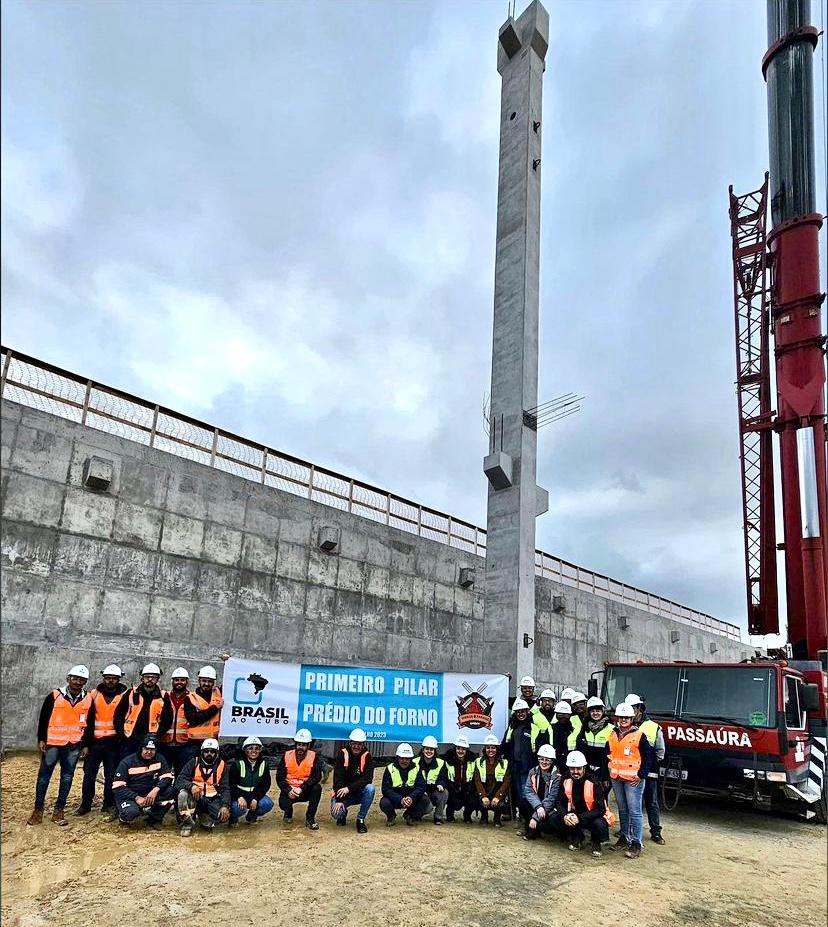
[721,866]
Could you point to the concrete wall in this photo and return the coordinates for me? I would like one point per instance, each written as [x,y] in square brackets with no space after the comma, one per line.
[180,563]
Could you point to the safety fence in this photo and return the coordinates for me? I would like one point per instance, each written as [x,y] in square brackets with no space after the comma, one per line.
[40,385]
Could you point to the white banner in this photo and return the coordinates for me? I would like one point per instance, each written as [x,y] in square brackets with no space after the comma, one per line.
[276,699]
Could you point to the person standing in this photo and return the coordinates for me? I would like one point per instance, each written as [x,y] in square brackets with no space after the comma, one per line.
[581,806]
[299,777]
[403,789]
[143,785]
[527,691]
[578,703]
[492,783]
[543,713]
[541,793]
[561,731]
[203,789]
[141,711]
[101,740]
[353,781]
[60,731]
[655,737]
[518,748]
[176,745]
[249,784]
[202,709]
[592,739]
[630,760]
[434,772]
[460,765]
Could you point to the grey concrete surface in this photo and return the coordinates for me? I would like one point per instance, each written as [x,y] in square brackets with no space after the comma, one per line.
[179,563]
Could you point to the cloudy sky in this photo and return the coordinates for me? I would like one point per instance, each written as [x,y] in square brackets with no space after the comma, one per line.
[280,217]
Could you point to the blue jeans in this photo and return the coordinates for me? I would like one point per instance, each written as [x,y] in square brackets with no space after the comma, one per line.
[264,804]
[630,798]
[68,758]
[364,799]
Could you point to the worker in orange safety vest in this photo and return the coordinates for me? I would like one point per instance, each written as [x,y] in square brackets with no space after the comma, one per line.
[299,777]
[630,759]
[101,740]
[176,745]
[60,731]
[202,709]
[203,790]
[141,711]
[581,806]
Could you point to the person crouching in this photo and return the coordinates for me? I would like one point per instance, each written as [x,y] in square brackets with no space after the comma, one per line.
[541,794]
[143,785]
[299,777]
[581,806]
[404,789]
[203,788]
[249,784]
[492,781]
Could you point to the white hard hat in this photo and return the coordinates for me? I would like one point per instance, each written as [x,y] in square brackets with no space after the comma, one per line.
[547,751]
[519,705]
[430,741]
[357,735]
[624,711]
[302,736]
[595,702]
[461,741]
[562,708]
[207,672]
[180,673]
[576,758]
[491,741]
[111,670]
[79,670]
[405,751]
[251,742]
[527,681]
[633,699]
[577,697]
[548,693]
[210,744]
[567,694]
[151,669]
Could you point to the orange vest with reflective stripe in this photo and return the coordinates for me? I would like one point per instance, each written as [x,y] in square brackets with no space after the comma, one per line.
[179,730]
[136,703]
[67,721]
[589,799]
[363,759]
[207,728]
[625,755]
[213,778]
[298,773]
[104,713]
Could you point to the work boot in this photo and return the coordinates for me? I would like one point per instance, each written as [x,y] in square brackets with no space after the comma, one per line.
[390,820]
[36,817]
[186,829]
[109,814]
[288,817]
[658,839]
[81,810]
[497,822]
[311,825]
[575,846]
[342,822]
[59,818]
[633,851]
[596,849]
[408,819]
[450,818]
[362,827]
[619,844]
[155,825]
[484,817]
[438,821]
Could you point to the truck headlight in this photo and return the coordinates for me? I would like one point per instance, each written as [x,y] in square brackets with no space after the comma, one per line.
[777,777]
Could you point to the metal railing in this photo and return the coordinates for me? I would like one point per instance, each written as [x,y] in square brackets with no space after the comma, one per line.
[35,383]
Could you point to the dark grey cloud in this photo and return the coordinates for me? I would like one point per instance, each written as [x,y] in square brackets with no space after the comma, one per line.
[280,217]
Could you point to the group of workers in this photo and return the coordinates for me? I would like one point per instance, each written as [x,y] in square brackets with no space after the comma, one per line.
[553,772]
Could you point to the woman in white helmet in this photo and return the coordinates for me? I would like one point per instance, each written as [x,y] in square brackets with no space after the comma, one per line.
[101,740]
[592,741]
[435,774]
[519,749]
[561,731]
[581,807]
[492,782]
[403,789]
[460,763]
[540,794]
[249,784]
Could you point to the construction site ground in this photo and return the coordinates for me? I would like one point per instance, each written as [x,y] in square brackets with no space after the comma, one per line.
[722,865]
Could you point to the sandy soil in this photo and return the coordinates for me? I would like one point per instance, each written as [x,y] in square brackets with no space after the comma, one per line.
[721,866]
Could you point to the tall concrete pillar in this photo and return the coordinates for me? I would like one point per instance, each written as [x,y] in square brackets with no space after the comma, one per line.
[514,498]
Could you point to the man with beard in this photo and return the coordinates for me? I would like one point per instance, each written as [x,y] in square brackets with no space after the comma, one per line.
[543,713]
[353,781]
[540,794]
[655,736]
[249,784]
[202,709]
[460,766]
[527,691]
[176,745]
[101,740]
[141,711]
[581,806]
[203,789]
[299,777]
[578,703]
[143,785]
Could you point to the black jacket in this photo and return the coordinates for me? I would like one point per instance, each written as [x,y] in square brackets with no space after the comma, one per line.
[89,731]
[185,778]
[579,807]
[560,740]
[517,747]
[350,775]
[460,769]
[315,774]
[262,786]
[195,716]
[136,776]
[140,731]
[396,795]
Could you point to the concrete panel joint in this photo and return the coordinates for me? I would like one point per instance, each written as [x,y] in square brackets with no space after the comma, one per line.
[97,473]
[466,578]
[498,470]
[328,539]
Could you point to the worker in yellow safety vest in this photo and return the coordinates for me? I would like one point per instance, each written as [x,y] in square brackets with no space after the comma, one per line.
[404,789]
